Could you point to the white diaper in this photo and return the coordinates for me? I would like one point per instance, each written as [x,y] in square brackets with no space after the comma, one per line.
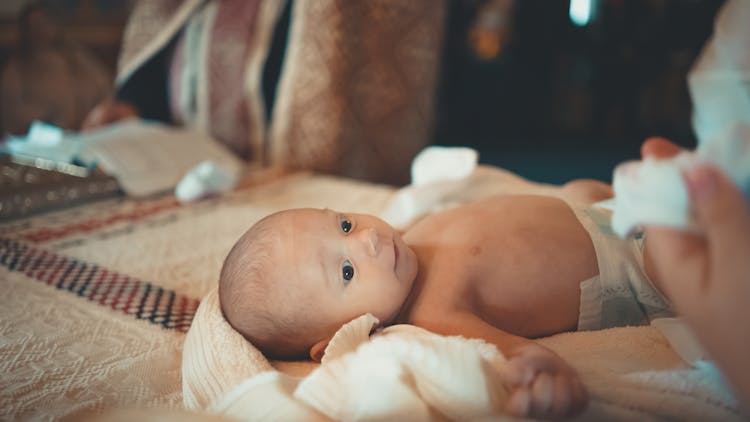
[621,294]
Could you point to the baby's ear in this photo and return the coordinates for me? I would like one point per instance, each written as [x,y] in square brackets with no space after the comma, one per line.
[319,349]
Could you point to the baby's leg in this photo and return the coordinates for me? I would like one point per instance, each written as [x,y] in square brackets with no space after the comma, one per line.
[586,191]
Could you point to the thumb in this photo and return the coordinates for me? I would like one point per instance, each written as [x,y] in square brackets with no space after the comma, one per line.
[659,147]
[722,212]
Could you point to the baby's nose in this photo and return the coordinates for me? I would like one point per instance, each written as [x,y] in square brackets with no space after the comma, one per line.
[369,238]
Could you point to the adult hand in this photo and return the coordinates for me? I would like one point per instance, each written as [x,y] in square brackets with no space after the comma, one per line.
[708,277]
[108,112]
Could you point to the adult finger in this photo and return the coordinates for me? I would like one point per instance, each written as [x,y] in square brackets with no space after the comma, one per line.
[108,112]
[723,212]
[659,147]
[675,260]
[94,119]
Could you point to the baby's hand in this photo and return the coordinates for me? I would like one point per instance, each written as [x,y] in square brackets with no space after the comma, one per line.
[541,384]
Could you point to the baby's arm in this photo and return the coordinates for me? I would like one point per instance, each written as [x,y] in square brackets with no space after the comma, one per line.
[586,191]
[541,384]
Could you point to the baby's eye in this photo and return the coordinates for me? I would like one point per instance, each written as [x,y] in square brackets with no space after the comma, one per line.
[347,271]
[346,225]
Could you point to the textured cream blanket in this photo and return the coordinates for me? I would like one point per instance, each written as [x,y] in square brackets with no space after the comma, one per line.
[96,301]
[403,372]
[407,373]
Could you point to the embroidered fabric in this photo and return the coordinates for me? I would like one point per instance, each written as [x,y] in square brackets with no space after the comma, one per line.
[61,354]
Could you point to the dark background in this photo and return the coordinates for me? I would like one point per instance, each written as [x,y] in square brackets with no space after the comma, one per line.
[97,24]
[562,101]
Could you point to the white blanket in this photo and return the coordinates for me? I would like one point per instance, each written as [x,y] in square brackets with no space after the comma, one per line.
[408,373]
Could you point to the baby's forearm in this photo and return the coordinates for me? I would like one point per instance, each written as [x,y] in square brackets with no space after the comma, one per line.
[471,326]
[540,383]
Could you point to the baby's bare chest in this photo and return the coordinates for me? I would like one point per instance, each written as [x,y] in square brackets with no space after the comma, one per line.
[501,253]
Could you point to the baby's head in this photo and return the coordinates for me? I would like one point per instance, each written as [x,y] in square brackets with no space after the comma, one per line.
[296,276]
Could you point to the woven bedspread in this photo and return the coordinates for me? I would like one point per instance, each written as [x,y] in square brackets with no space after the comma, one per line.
[96,300]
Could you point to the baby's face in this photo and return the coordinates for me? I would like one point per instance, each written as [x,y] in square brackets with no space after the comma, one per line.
[347,264]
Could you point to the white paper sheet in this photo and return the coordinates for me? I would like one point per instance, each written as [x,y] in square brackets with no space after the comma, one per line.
[147,158]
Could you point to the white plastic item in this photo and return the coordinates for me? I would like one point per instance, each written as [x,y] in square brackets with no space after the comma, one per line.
[206,179]
[435,172]
[434,164]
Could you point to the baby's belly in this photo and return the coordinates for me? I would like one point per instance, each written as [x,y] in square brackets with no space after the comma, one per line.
[529,277]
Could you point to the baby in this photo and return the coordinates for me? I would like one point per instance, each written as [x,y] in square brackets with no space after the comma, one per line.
[504,269]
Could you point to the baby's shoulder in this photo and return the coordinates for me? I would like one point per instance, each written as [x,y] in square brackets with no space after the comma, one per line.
[454,223]
[492,214]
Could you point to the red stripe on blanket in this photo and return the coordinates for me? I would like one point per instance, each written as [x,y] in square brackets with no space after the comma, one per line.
[94,224]
[119,292]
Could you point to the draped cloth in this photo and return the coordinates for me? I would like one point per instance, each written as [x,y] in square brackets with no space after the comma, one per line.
[355,94]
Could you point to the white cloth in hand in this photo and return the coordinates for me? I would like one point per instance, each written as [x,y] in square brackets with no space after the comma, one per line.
[653,191]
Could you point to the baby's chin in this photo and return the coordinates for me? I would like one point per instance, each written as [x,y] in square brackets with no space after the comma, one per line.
[395,316]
